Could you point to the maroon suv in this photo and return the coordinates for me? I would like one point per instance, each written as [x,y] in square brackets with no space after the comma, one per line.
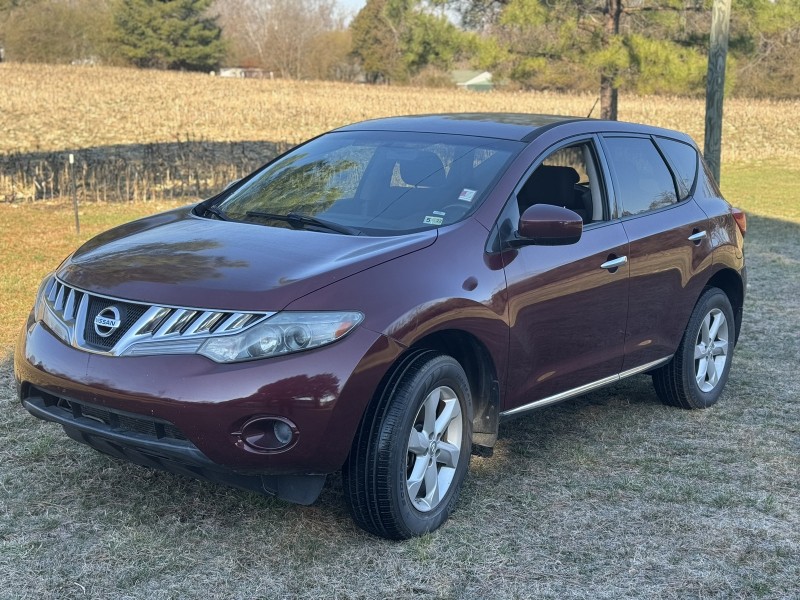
[379,298]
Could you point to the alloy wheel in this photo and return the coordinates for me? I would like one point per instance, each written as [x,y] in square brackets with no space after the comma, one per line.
[711,350]
[434,448]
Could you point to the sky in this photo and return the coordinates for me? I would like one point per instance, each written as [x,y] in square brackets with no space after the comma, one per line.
[351,6]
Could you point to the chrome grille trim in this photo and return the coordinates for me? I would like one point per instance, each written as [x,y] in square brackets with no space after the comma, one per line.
[59,303]
[65,311]
[69,307]
[203,323]
[172,325]
[235,321]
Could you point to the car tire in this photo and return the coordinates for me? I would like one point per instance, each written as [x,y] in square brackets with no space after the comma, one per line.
[412,451]
[696,375]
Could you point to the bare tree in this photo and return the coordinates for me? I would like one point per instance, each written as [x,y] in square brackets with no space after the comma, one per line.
[56,31]
[277,35]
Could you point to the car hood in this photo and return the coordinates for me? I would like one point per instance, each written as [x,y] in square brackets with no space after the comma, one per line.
[177,258]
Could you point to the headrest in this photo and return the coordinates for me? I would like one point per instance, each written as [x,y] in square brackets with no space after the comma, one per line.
[424,169]
[551,185]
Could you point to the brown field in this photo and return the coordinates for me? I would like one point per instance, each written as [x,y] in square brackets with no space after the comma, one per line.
[51,108]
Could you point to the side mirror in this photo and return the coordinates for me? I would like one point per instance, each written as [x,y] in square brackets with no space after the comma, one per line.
[548,225]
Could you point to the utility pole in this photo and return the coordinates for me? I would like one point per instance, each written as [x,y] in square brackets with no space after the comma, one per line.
[608,86]
[74,193]
[715,83]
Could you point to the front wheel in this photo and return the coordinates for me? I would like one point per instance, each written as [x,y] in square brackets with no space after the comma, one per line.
[694,378]
[412,450]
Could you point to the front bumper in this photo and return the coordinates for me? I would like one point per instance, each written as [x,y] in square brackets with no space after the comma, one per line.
[183,413]
[115,435]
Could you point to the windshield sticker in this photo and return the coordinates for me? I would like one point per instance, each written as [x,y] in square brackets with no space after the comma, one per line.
[433,220]
[467,195]
[439,213]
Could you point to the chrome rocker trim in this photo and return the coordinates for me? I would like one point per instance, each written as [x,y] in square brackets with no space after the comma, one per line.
[584,388]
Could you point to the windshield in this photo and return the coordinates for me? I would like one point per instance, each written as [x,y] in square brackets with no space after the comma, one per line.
[372,182]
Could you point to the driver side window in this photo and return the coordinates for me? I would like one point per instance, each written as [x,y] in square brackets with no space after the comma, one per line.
[568,177]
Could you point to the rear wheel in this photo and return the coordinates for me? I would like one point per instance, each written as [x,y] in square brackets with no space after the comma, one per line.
[696,375]
[412,451]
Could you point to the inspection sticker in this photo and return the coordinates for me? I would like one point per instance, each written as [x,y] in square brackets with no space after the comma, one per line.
[467,195]
[433,220]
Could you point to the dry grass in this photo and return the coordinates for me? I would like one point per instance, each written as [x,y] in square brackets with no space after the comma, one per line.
[45,108]
[607,496]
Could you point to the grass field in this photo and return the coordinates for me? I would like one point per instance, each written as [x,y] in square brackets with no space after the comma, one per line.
[611,495]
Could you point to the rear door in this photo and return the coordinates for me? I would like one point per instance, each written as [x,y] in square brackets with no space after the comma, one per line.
[669,244]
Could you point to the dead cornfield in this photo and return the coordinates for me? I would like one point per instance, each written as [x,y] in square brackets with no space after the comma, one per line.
[148,135]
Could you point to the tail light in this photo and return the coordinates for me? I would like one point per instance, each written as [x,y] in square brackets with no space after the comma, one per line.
[741,220]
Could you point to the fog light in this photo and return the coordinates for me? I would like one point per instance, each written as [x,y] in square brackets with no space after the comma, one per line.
[268,434]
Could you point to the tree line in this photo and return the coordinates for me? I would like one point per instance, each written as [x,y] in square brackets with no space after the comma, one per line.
[643,46]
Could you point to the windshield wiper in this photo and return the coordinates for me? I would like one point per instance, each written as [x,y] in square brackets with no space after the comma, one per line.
[216,212]
[299,221]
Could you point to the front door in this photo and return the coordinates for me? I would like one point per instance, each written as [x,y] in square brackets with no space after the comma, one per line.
[567,305]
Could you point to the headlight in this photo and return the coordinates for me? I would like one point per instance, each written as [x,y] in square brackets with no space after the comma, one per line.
[282,333]
[38,306]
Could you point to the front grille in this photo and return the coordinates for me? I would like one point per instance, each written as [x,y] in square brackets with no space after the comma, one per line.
[117,421]
[70,314]
[128,315]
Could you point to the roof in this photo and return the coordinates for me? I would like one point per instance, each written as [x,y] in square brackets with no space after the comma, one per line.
[463,75]
[464,78]
[509,126]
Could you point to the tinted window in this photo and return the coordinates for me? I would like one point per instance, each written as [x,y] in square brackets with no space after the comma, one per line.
[643,181]
[378,183]
[567,177]
[684,158]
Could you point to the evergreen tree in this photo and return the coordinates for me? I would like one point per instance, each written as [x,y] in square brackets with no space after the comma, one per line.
[645,46]
[168,34]
[554,43]
[394,39]
[377,31]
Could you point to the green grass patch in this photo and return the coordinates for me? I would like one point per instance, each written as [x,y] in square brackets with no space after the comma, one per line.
[764,190]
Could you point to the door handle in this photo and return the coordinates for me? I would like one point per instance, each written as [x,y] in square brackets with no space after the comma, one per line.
[697,236]
[613,264]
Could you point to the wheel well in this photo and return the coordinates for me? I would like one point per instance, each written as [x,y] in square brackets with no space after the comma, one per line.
[730,282]
[481,373]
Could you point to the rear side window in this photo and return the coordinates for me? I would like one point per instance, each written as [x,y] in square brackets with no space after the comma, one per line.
[642,180]
[684,159]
